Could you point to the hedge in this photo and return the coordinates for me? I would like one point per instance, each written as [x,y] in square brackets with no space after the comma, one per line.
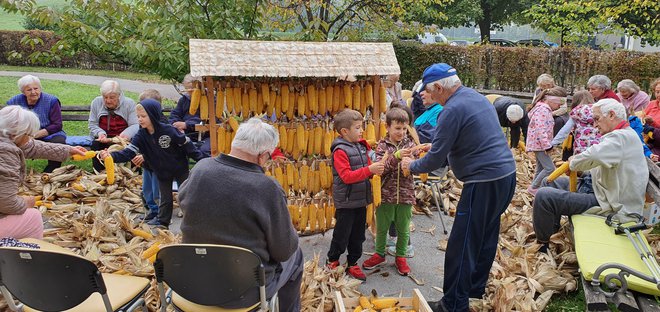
[516,68]
[479,66]
[11,42]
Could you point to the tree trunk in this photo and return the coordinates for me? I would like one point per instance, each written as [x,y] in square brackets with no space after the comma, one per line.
[484,23]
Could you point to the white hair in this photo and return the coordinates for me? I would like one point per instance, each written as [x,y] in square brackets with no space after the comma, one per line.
[16,121]
[600,81]
[629,85]
[189,78]
[514,113]
[26,80]
[110,86]
[611,105]
[446,83]
[545,79]
[256,137]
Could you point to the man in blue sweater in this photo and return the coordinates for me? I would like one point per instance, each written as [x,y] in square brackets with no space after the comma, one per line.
[473,143]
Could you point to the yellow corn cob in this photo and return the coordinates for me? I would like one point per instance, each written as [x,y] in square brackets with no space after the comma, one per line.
[290,140]
[312,99]
[270,105]
[382,131]
[295,216]
[204,108]
[141,233]
[289,173]
[370,215]
[375,187]
[336,99]
[310,181]
[348,96]
[295,150]
[323,175]
[357,97]
[309,138]
[327,143]
[252,98]
[521,146]
[304,218]
[371,132]
[238,99]
[245,103]
[88,155]
[109,169]
[279,176]
[284,90]
[318,140]
[219,103]
[265,91]
[233,123]
[364,303]
[328,174]
[358,309]
[152,250]
[229,135]
[302,104]
[558,172]
[304,176]
[78,187]
[43,203]
[363,102]
[572,181]
[278,106]
[152,259]
[296,179]
[384,303]
[195,96]
[383,99]
[260,105]
[369,94]
[230,99]
[316,179]
[320,218]
[312,217]
[329,213]
[423,176]
[292,104]
[323,108]
[220,138]
[283,137]
[300,137]
[329,91]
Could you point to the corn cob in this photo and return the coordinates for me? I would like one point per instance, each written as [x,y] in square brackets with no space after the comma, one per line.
[220,138]
[283,138]
[109,163]
[309,138]
[300,137]
[329,213]
[252,98]
[370,215]
[371,132]
[88,155]
[348,96]
[323,108]
[521,146]
[195,96]
[328,174]
[336,99]
[265,91]
[304,176]
[284,90]
[152,250]
[363,101]
[292,104]
[219,103]
[233,123]
[279,176]
[329,92]
[375,187]
[316,181]
[278,106]
[310,181]
[383,99]
[302,104]
[384,303]
[144,234]
[230,99]
[228,138]
[238,99]
[295,150]
[290,140]
[78,187]
[323,175]
[312,99]
[572,181]
[289,173]
[318,140]
[204,108]
[295,216]
[40,203]
[558,172]
[260,104]
[357,98]
[369,94]
[327,143]
[423,176]
[364,303]
[382,130]
[304,218]
[312,218]
[296,180]
[270,105]
[320,218]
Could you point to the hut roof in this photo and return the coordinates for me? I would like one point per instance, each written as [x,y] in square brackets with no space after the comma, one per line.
[246,58]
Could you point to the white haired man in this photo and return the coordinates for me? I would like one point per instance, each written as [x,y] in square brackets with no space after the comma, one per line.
[229,200]
[511,113]
[617,168]
[471,139]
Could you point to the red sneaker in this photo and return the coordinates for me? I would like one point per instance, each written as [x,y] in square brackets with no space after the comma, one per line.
[355,272]
[375,261]
[402,266]
[331,264]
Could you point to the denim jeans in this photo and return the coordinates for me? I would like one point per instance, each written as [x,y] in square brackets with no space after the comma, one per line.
[150,190]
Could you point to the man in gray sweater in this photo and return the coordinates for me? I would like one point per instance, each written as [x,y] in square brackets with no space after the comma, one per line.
[229,200]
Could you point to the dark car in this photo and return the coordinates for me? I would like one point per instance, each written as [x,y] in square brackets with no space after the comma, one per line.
[533,43]
[502,42]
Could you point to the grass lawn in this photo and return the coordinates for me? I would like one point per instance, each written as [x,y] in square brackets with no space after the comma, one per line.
[12,21]
[89,72]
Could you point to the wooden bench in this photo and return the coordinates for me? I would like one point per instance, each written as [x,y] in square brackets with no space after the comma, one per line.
[81,112]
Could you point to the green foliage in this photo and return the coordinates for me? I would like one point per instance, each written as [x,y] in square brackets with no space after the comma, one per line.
[328,20]
[148,35]
[516,69]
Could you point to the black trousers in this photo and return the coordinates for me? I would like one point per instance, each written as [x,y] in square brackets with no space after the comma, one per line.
[52,164]
[348,234]
[166,199]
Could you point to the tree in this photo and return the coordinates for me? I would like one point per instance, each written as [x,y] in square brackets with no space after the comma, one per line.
[150,35]
[327,20]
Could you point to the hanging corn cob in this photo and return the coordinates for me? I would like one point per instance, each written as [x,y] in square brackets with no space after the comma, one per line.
[204,107]
[348,96]
[195,96]
[369,94]
[219,103]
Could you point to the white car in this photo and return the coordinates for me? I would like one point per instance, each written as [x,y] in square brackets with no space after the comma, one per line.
[430,38]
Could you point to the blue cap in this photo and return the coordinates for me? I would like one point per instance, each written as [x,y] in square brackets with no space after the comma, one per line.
[436,72]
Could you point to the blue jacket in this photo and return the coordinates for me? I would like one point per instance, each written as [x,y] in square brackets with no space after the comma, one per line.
[471,140]
[166,150]
[636,125]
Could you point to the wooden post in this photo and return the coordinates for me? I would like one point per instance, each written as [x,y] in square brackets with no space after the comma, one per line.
[213,127]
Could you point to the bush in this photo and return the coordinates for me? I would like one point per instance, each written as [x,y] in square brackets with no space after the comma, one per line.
[516,69]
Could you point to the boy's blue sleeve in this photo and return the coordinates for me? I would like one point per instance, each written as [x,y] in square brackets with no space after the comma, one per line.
[129,152]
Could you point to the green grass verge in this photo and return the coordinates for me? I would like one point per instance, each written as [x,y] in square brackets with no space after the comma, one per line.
[89,72]
[573,301]
[14,21]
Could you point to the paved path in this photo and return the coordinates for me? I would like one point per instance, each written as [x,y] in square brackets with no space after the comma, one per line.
[166,90]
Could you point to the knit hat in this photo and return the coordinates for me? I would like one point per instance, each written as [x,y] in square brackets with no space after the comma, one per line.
[514,113]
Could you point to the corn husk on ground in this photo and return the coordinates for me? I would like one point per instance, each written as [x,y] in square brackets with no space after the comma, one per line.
[319,285]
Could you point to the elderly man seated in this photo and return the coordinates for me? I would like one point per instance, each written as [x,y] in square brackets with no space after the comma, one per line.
[229,200]
[616,166]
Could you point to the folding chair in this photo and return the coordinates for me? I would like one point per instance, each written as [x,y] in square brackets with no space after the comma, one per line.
[207,277]
[47,280]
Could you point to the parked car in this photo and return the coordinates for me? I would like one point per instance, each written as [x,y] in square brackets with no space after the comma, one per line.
[429,38]
[460,43]
[535,43]
[502,42]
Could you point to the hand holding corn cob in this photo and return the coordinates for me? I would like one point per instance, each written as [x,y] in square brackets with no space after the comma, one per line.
[78,150]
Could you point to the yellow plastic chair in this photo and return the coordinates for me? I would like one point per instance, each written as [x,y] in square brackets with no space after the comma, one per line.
[406,94]
[492,97]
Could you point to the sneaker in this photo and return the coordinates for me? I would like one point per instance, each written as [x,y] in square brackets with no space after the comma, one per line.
[375,261]
[356,273]
[532,190]
[402,266]
[391,241]
[150,216]
[410,251]
[154,222]
[331,265]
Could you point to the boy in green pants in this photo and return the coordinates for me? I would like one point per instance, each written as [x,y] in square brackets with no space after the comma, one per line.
[398,191]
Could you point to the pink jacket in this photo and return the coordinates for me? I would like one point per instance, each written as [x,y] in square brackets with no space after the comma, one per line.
[539,132]
[12,169]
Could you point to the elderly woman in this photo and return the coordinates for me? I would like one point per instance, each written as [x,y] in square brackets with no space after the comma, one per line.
[652,111]
[110,115]
[393,88]
[600,88]
[560,115]
[631,96]
[426,123]
[48,109]
[17,128]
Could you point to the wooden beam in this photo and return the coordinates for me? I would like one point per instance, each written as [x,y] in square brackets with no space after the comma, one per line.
[647,303]
[210,93]
[594,299]
[625,302]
